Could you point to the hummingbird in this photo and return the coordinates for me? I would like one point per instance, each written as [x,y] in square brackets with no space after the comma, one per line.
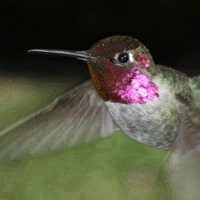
[150,103]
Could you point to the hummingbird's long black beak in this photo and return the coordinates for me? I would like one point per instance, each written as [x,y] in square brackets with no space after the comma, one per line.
[81,55]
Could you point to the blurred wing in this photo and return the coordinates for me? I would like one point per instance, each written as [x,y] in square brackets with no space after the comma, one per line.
[183,167]
[78,116]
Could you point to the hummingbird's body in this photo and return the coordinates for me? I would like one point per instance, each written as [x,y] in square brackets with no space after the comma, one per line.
[135,95]
[154,123]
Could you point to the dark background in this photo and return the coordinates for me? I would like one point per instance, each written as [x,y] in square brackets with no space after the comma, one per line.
[169,28]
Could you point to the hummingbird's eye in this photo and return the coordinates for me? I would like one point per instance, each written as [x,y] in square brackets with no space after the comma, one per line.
[123,58]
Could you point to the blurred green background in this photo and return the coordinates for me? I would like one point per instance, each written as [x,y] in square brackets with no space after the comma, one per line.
[113,168]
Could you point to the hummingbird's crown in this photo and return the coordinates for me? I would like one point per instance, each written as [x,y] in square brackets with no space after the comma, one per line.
[107,48]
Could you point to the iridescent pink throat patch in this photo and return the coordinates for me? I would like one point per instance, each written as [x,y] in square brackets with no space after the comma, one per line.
[136,87]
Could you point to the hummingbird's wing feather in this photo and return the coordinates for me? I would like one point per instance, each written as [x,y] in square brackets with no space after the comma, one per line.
[78,116]
[183,165]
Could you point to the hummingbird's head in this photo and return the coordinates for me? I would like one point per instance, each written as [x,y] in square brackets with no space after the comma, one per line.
[121,68]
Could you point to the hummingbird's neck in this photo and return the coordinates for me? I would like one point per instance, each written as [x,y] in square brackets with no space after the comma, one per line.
[123,85]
